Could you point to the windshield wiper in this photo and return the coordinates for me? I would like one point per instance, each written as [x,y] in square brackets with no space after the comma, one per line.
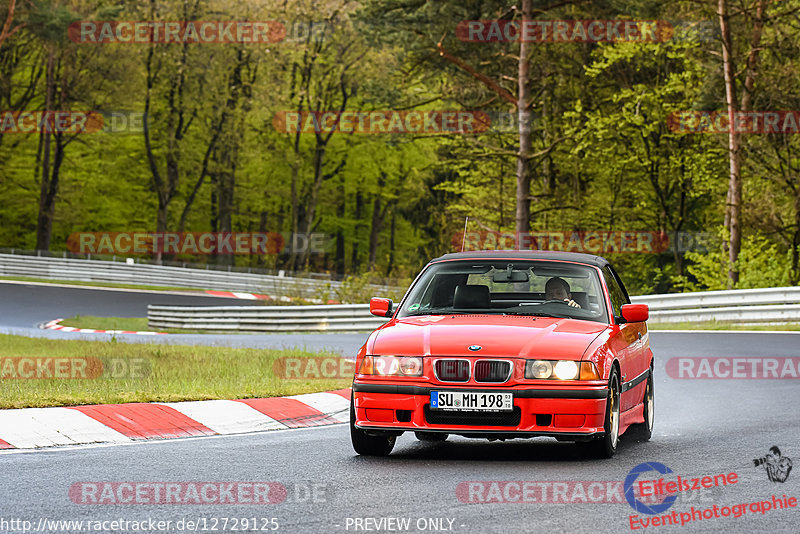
[539,314]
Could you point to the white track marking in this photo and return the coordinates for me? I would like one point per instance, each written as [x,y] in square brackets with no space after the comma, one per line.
[226,416]
[328,403]
[45,427]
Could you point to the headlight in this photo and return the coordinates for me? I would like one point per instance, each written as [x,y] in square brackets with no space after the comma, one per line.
[566,370]
[538,369]
[560,370]
[391,366]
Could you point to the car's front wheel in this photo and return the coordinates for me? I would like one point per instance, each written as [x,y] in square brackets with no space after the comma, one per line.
[366,444]
[606,446]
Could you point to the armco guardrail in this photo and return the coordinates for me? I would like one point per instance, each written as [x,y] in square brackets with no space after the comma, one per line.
[713,299]
[159,275]
[773,305]
[767,305]
[329,318]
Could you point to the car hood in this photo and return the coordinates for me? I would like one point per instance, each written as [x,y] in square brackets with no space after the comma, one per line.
[498,336]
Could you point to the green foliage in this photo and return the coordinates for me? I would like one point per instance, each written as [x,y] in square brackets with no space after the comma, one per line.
[603,156]
[49,21]
[761,264]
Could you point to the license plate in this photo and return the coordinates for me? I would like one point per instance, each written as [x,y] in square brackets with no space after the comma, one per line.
[470,401]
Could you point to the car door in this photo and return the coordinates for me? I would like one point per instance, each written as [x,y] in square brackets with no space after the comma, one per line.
[626,341]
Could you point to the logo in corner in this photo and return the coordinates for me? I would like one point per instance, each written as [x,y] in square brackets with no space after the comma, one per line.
[777,466]
[474,348]
[630,493]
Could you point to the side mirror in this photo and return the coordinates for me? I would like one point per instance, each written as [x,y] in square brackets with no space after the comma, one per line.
[635,313]
[380,307]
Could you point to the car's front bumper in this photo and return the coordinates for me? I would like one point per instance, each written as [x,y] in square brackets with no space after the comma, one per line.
[565,413]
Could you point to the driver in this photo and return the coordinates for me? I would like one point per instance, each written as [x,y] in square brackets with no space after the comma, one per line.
[558,289]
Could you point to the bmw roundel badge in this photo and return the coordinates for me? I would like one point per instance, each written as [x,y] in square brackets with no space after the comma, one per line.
[474,347]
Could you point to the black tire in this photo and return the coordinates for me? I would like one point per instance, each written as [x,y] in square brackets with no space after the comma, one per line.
[365,444]
[606,446]
[431,436]
[644,431]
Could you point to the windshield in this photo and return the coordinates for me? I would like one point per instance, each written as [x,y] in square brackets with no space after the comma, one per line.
[536,288]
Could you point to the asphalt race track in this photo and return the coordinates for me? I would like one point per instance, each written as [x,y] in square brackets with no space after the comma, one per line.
[703,427]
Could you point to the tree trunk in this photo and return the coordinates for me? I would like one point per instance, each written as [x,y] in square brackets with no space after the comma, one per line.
[795,272]
[295,213]
[354,263]
[392,234]
[311,201]
[166,186]
[228,150]
[377,221]
[47,188]
[733,210]
[261,259]
[340,213]
[6,31]
[524,113]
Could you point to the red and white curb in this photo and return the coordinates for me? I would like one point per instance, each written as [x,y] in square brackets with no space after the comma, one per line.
[33,428]
[53,325]
[256,296]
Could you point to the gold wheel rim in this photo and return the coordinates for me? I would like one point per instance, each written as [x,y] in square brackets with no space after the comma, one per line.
[613,414]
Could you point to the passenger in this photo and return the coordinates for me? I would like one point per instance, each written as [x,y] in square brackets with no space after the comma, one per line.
[558,289]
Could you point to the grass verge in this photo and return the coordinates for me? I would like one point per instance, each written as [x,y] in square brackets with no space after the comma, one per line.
[107,323]
[166,373]
[134,324]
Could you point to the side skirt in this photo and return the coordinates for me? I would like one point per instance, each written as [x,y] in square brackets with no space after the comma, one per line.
[631,417]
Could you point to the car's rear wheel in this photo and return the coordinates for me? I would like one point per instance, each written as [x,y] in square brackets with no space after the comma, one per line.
[643,431]
[431,436]
[606,446]
[366,444]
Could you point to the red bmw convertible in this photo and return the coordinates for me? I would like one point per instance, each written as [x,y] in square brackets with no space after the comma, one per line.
[507,344]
